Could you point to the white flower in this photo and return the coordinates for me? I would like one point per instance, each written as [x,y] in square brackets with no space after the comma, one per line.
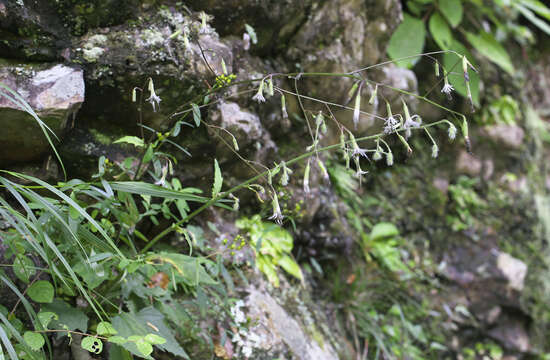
[360,173]
[391,124]
[358,152]
[452,132]
[154,100]
[447,88]
[277,214]
[259,97]
[435,150]
[246,41]
[411,123]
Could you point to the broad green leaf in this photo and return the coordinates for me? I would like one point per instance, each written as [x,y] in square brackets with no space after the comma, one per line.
[154,339]
[453,64]
[407,40]
[133,140]
[144,347]
[487,45]
[187,267]
[119,353]
[218,179]
[139,324]
[71,317]
[92,344]
[105,328]
[196,114]
[23,267]
[41,291]
[269,269]
[440,31]
[290,266]
[383,230]
[452,9]
[34,340]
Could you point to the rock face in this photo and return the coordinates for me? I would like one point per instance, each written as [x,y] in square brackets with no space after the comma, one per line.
[278,329]
[55,92]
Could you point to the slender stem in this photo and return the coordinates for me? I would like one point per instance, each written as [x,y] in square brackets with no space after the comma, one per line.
[263,174]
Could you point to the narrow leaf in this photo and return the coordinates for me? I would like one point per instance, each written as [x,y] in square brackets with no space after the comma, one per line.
[218,179]
[196,114]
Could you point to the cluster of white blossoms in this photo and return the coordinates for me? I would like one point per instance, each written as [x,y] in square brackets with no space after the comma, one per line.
[245,339]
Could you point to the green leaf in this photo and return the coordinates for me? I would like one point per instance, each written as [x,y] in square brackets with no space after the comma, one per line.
[117,340]
[407,40]
[487,45]
[440,31]
[383,230]
[34,340]
[453,64]
[92,344]
[154,339]
[537,7]
[290,266]
[144,347]
[41,291]
[139,324]
[218,179]
[45,317]
[23,267]
[196,114]
[71,317]
[533,18]
[133,140]
[105,328]
[148,154]
[251,33]
[187,267]
[452,9]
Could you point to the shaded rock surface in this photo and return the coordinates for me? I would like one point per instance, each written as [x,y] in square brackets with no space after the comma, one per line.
[55,92]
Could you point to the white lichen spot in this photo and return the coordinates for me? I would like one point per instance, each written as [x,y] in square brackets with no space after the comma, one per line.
[152,37]
[92,49]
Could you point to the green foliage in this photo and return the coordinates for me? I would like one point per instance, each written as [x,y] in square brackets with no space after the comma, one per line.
[41,291]
[503,110]
[451,30]
[34,340]
[407,40]
[467,204]
[272,246]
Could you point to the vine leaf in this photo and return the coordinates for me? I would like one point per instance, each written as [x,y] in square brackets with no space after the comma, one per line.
[92,344]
